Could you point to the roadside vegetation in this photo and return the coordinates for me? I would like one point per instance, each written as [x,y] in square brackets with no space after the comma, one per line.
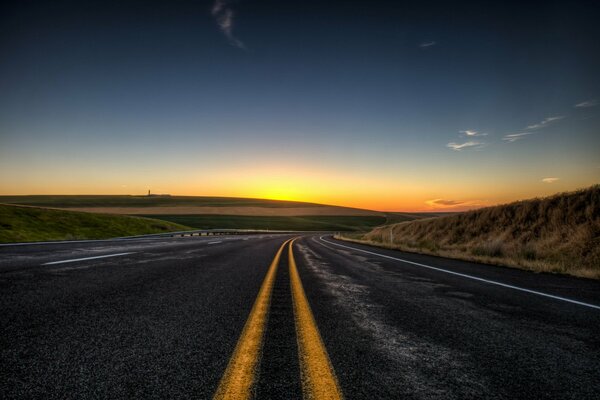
[558,234]
[29,224]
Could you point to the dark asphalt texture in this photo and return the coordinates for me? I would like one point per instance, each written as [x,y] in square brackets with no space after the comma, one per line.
[163,322]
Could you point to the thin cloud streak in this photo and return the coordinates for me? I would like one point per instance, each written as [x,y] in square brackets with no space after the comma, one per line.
[443,202]
[550,180]
[461,146]
[586,104]
[424,45]
[513,137]
[544,123]
[224,16]
[472,133]
[453,204]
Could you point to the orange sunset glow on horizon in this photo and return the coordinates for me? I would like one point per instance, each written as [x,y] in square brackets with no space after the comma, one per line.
[387,193]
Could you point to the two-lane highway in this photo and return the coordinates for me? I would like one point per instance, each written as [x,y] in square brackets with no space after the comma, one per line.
[267,316]
[158,323]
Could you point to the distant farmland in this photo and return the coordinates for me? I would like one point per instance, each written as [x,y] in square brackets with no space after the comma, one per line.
[298,223]
[92,201]
[200,212]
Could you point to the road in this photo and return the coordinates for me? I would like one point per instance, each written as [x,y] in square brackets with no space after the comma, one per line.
[245,317]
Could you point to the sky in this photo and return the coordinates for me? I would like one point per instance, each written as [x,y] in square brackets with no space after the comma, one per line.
[397,106]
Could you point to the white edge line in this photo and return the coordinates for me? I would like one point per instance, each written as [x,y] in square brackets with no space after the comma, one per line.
[218,241]
[88,258]
[469,276]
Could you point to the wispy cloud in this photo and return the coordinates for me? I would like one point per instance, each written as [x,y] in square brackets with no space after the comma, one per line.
[471,133]
[586,104]
[530,130]
[513,137]
[550,180]
[544,123]
[224,16]
[444,202]
[424,45]
[453,205]
[462,146]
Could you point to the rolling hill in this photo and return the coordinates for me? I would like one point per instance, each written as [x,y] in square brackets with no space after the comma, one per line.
[202,212]
[28,224]
[559,234]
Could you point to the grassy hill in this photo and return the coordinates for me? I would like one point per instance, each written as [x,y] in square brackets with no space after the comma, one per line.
[558,234]
[84,201]
[27,224]
[201,212]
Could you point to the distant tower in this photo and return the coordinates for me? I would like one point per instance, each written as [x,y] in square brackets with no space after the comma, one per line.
[148,192]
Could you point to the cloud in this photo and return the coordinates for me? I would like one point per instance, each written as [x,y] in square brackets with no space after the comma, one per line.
[453,204]
[224,16]
[586,104]
[544,123]
[471,133]
[513,137]
[444,203]
[550,180]
[461,146]
[424,45]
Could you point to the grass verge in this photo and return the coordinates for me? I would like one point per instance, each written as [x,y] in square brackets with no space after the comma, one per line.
[30,224]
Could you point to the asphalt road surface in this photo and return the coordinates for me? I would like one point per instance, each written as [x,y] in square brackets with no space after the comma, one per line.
[246,317]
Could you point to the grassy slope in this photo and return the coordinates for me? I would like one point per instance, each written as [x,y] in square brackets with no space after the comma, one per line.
[397,217]
[307,223]
[559,234]
[315,221]
[25,224]
[66,201]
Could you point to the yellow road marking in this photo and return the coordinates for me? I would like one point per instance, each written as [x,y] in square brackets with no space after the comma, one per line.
[238,379]
[318,377]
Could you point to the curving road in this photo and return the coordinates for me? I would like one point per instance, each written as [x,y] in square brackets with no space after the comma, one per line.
[262,316]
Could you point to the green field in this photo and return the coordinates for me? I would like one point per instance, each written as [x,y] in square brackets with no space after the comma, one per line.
[304,223]
[28,224]
[47,225]
[65,201]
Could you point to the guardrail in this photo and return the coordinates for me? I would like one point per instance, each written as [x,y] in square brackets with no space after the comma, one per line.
[198,232]
[213,232]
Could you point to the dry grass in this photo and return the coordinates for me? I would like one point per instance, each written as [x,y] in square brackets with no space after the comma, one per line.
[558,234]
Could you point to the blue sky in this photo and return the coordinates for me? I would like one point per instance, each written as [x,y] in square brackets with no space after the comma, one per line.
[466,102]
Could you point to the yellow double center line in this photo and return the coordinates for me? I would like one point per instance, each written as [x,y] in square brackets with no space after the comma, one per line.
[318,377]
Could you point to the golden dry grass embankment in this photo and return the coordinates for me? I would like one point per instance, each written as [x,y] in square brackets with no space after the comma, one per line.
[558,234]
